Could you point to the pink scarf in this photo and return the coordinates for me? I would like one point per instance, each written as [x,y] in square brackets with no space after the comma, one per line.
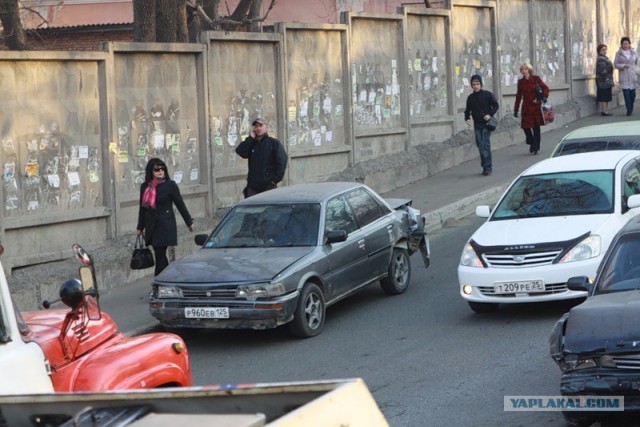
[149,195]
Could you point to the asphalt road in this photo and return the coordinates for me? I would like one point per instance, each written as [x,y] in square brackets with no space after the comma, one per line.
[425,356]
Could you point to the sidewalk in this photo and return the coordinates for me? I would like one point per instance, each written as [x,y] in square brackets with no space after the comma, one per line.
[447,196]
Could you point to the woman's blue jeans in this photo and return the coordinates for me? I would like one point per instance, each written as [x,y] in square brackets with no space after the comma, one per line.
[629,99]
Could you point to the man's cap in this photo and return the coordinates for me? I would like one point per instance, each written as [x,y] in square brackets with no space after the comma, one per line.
[260,121]
[476,77]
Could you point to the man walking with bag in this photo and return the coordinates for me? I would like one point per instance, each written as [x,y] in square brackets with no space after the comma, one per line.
[481,106]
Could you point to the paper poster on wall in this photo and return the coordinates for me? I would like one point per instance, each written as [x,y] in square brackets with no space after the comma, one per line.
[83,151]
[177,177]
[74,178]
[53,180]
[193,176]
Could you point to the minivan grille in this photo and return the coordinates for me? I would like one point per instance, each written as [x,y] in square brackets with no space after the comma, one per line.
[510,260]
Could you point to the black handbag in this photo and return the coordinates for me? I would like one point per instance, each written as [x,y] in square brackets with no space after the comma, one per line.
[492,124]
[539,92]
[142,257]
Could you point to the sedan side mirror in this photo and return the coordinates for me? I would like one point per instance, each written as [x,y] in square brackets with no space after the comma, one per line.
[200,239]
[580,283]
[335,236]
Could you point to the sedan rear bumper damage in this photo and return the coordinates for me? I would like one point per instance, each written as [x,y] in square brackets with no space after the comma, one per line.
[259,314]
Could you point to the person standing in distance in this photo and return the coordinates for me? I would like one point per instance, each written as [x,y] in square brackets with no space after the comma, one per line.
[481,106]
[626,61]
[267,159]
[156,218]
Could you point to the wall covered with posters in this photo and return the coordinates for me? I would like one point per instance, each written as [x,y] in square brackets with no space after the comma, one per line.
[583,33]
[51,151]
[158,111]
[316,100]
[243,73]
[473,47]
[378,91]
[514,44]
[549,42]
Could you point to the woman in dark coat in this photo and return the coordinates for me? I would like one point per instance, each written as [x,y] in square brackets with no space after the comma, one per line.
[604,80]
[156,217]
[531,106]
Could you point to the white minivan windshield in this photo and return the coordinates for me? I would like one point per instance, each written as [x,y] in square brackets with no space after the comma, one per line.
[558,194]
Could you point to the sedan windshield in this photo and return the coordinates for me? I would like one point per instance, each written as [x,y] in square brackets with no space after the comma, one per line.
[275,225]
[558,194]
[622,271]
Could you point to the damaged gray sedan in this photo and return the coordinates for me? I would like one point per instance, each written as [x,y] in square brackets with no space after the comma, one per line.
[284,255]
[597,344]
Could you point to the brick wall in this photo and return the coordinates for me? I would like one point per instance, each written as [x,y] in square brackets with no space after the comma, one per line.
[63,39]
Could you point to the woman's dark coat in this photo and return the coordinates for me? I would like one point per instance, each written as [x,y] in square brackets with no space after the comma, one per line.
[531,106]
[159,224]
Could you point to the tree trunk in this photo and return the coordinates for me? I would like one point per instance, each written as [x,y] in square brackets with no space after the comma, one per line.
[13,32]
[182,32]
[166,21]
[144,20]
[254,13]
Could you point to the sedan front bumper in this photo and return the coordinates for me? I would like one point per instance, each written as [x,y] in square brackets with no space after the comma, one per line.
[259,314]
[604,382]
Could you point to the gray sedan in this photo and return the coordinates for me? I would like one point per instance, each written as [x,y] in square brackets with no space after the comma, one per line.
[284,255]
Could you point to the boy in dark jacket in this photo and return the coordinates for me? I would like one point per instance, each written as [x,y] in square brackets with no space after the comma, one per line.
[267,159]
[481,106]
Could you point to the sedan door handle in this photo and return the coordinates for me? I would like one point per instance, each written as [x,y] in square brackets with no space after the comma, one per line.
[361,244]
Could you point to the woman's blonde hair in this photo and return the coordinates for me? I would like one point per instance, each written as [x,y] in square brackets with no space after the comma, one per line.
[527,66]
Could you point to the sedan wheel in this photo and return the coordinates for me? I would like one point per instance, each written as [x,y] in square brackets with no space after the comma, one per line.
[308,319]
[399,275]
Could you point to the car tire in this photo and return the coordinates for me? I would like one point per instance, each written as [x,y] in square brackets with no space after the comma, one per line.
[399,274]
[483,307]
[308,320]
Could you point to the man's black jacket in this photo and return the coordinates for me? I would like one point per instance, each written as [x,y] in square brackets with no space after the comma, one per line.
[480,104]
[267,161]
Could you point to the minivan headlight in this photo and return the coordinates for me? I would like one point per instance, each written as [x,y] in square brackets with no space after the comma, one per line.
[253,292]
[469,258]
[587,248]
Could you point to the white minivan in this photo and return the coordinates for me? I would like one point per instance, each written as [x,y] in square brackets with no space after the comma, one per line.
[555,221]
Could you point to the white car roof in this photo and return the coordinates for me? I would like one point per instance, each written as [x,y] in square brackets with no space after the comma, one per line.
[600,160]
[630,128]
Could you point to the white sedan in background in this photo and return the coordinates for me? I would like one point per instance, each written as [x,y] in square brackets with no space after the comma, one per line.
[555,221]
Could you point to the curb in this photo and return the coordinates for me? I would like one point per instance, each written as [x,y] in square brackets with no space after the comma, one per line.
[442,217]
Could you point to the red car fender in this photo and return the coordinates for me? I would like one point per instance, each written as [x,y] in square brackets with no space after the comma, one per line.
[147,361]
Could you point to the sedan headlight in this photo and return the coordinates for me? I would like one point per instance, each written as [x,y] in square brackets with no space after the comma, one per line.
[253,292]
[469,257]
[168,292]
[587,248]
[576,365]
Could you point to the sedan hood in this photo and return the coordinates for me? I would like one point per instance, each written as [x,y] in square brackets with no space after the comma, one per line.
[537,230]
[231,265]
[605,323]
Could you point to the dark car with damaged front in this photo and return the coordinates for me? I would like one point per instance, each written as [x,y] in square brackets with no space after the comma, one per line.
[597,343]
[282,256]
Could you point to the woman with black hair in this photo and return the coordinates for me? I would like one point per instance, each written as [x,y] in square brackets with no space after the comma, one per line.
[156,218]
